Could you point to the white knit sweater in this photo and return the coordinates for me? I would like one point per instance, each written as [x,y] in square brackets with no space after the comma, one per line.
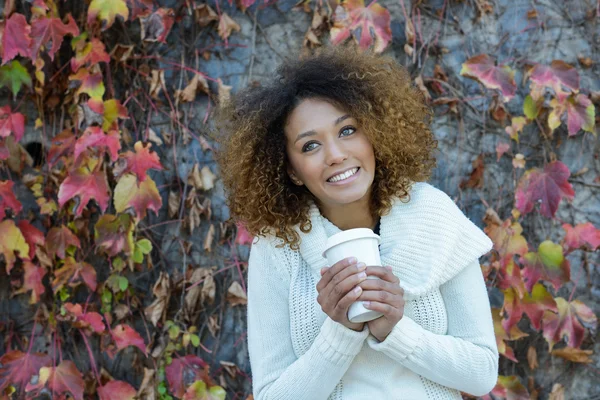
[443,344]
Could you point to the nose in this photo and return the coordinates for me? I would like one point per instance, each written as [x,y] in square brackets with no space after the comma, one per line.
[336,154]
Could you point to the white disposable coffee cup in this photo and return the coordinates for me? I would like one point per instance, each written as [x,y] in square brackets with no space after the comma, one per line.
[363,244]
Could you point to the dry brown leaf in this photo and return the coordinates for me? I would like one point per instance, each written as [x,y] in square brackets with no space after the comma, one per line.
[174,200]
[121,311]
[585,62]
[208,239]
[204,14]
[408,49]
[153,137]
[532,357]
[438,73]
[224,91]
[409,31]
[213,325]
[230,367]
[147,390]
[157,81]
[574,354]
[558,392]
[519,161]
[236,295]
[121,52]
[421,85]
[208,178]
[188,94]
[532,14]
[192,297]
[156,311]
[226,26]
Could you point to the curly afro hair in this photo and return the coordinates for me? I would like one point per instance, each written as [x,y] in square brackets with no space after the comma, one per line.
[251,141]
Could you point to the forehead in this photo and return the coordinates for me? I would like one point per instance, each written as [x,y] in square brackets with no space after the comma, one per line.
[311,114]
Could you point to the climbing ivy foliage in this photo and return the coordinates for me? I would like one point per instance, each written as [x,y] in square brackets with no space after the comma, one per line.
[94,189]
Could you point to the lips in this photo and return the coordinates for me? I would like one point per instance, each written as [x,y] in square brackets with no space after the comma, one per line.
[343,172]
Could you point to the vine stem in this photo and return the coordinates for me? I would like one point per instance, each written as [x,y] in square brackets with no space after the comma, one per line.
[92,359]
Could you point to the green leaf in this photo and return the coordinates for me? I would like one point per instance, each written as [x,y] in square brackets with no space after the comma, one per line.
[530,108]
[106,296]
[118,264]
[173,332]
[144,245]
[13,76]
[64,294]
[162,388]
[138,256]
[195,340]
[123,283]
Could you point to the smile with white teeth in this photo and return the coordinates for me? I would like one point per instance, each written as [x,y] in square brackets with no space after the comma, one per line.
[343,176]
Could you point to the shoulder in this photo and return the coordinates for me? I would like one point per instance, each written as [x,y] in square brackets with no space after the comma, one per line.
[429,200]
[267,255]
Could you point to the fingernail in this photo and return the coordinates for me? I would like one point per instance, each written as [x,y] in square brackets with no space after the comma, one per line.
[362,275]
[388,267]
[352,260]
[357,289]
[323,270]
[366,303]
[361,266]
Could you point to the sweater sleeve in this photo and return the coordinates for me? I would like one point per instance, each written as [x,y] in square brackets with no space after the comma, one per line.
[277,374]
[466,358]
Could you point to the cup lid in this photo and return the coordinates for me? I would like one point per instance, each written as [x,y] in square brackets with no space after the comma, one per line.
[350,234]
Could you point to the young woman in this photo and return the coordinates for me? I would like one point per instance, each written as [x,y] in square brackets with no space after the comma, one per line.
[340,140]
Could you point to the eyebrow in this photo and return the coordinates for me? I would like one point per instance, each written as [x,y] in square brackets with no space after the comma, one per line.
[312,132]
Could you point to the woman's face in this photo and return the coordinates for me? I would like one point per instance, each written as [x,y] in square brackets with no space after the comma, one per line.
[323,141]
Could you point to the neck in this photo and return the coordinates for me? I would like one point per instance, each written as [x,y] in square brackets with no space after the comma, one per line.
[350,216]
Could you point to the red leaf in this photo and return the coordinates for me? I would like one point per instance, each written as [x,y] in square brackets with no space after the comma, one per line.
[53,30]
[32,280]
[141,196]
[558,75]
[183,371]
[580,112]
[368,25]
[95,137]
[114,234]
[32,235]
[18,368]
[85,185]
[16,38]
[139,162]
[156,26]
[548,264]
[536,303]
[580,235]
[242,237]
[58,239]
[501,148]
[73,273]
[509,276]
[90,83]
[483,68]
[8,199]
[506,237]
[11,123]
[92,52]
[62,146]
[61,380]
[566,322]
[117,390]
[124,336]
[547,187]
[90,319]
[502,335]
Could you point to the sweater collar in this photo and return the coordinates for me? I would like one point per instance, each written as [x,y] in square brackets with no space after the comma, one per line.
[426,241]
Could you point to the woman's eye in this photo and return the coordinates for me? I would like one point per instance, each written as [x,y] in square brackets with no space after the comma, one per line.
[307,147]
[348,128]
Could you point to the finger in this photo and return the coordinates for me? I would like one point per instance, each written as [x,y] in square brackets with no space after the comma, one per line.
[380,296]
[334,280]
[387,310]
[337,289]
[345,302]
[379,284]
[330,272]
[382,273]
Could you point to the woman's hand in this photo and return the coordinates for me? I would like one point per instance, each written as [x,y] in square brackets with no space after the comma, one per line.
[384,295]
[338,289]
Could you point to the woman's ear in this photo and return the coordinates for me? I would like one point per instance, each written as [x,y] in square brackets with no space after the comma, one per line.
[294,178]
